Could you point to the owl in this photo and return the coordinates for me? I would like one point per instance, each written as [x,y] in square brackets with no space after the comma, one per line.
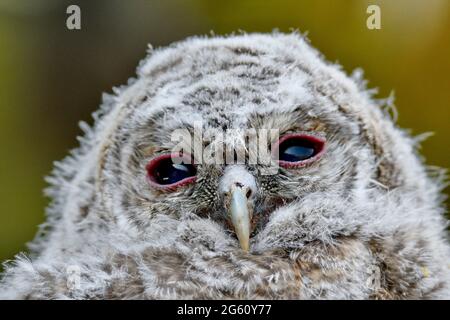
[338,206]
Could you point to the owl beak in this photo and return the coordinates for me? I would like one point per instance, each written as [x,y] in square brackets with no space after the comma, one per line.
[240,216]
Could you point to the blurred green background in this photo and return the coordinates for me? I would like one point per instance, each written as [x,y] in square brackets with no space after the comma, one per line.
[51,77]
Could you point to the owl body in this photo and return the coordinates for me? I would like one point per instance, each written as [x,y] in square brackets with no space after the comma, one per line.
[362,221]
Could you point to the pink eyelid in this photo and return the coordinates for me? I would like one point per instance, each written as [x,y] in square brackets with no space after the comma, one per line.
[152,164]
[286,164]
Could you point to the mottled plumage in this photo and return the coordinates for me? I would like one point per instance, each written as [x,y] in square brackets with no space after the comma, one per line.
[363,222]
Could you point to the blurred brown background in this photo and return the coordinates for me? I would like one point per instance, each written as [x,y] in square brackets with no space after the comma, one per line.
[51,77]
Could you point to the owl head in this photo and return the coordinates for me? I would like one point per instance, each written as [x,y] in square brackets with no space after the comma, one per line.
[240,167]
[172,154]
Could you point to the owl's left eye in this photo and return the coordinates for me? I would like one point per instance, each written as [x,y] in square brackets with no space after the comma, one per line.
[296,150]
[170,171]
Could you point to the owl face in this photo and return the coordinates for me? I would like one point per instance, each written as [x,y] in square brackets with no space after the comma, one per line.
[234,192]
[212,94]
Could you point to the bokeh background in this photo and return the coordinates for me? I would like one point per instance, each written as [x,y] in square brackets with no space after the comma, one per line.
[51,77]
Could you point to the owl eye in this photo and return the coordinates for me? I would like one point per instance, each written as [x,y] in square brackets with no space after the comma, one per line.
[296,150]
[170,171]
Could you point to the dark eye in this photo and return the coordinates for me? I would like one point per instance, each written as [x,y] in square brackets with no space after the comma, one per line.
[296,150]
[168,171]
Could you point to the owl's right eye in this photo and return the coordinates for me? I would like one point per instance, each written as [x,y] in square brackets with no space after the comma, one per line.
[164,172]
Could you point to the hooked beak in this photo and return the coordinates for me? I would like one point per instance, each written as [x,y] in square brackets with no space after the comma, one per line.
[240,215]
